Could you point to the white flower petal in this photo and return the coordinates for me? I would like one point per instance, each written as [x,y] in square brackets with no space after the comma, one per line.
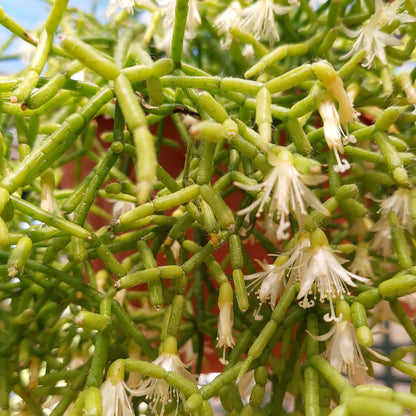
[371,39]
[269,283]
[259,19]
[344,351]
[351,33]
[388,40]
[115,400]
[288,192]
[313,201]
[324,269]
[229,18]
[157,391]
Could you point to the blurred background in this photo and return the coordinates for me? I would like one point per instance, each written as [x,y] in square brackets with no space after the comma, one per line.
[30,15]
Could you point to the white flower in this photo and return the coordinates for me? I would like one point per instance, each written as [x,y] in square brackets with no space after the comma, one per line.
[382,242]
[245,385]
[399,203]
[268,284]
[361,227]
[168,17]
[167,9]
[381,314]
[326,73]
[47,186]
[121,207]
[188,353]
[299,258]
[371,39]
[288,190]
[115,399]
[158,391]
[323,268]
[225,325]
[188,120]
[193,20]
[259,19]
[333,133]
[268,227]
[225,319]
[176,248]
[331,279]
[124,4]
[120,296]
[226,20]
[343,351]
[361,263]
[248,51]
[25,52]
[47,201]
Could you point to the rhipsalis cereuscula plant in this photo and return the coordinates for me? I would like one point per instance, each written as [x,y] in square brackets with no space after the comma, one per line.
[195,186]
